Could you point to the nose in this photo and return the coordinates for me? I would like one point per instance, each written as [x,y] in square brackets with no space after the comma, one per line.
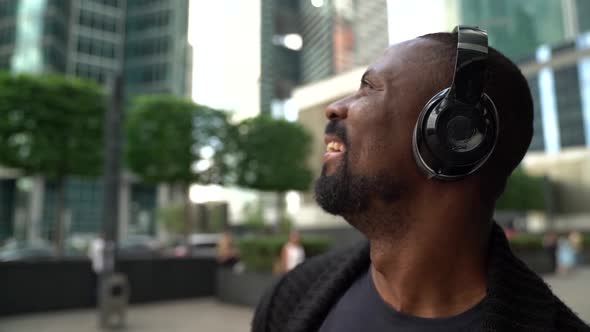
[337,110]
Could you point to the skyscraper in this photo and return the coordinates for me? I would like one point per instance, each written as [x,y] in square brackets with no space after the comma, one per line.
[550,42]
[146,40]
[157,53]
[333,36]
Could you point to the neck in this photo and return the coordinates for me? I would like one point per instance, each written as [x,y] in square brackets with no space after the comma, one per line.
[431,261]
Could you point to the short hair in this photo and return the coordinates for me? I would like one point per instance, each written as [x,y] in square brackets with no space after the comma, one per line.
[509,91]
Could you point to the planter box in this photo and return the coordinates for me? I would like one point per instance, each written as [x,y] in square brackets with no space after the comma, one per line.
[537,260]
[244,288]
[70,284]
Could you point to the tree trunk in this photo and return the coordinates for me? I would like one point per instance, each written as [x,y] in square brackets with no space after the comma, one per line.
[59,216]
[186,213]
[280,210]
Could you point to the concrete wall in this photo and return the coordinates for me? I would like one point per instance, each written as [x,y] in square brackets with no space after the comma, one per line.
[569,172]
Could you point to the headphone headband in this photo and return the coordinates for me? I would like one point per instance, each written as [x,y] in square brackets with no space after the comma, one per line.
[471,64]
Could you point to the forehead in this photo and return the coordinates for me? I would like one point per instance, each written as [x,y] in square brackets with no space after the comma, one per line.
[407,59]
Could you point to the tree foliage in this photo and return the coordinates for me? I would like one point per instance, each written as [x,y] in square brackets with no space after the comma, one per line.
[523,193]
[165,136]
[165,140]
[51,125]
[272,155]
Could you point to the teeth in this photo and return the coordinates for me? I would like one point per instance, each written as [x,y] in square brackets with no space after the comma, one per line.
[334,147]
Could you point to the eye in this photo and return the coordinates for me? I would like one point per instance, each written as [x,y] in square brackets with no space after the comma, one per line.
[365,84]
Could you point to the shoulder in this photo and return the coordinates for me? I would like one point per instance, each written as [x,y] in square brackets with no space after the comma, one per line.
[291,289]
[567,320]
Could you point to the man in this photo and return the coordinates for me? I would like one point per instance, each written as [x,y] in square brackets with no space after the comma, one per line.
[418,169]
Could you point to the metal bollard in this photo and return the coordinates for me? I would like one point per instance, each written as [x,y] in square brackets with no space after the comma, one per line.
[113,297]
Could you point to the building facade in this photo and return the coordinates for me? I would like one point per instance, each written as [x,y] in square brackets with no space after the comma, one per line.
[146,40]
[329,37]
[550,40]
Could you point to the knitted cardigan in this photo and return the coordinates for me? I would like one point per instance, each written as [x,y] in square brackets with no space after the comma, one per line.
[517,299]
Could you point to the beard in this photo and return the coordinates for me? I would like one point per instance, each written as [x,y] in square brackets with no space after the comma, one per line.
[350,195]
[341,193]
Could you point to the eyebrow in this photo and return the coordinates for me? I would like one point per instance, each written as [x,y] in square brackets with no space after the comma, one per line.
[367,73]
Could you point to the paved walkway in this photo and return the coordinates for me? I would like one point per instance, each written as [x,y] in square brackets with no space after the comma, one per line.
[178,316]
[210,315]
[574,290]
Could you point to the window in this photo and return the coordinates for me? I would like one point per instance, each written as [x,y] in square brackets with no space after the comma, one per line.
[91,72]
[569,107]
[150,47]
[83,202]
[53,27]
[7,202]
[142,3]
[110,3]
[8,8]
[148,74]
[7,35]
[97,21]
[96,47]
[149,21]
[55,58]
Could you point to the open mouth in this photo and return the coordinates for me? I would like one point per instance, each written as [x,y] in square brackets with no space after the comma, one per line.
[334,149]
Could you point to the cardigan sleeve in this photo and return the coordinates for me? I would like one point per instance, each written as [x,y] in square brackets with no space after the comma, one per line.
[262,314]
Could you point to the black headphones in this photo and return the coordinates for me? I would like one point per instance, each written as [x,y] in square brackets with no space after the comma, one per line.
[457,130]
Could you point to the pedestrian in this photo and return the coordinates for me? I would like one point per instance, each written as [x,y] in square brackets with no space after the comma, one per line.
[292,253]
[576,241]
[550,245]
[96,254]
[416,160]
[566,256]
[227,253]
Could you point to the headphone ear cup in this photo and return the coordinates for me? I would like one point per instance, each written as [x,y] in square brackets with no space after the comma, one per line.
[451,139]
[420,148]
[459,128]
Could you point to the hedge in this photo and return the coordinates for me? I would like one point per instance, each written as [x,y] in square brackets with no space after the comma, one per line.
[535,241]
[260,253]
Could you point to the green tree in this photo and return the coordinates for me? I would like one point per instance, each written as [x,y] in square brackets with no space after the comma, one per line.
[52,126]
[272,157]
[523,193]
[166,137]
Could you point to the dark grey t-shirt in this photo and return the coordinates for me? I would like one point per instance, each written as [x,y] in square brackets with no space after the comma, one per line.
[361,308]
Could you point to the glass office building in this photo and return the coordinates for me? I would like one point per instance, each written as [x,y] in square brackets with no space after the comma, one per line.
[146,40]
[550,41]
[335,36]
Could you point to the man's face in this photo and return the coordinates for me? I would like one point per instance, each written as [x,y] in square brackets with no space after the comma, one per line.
[369,134]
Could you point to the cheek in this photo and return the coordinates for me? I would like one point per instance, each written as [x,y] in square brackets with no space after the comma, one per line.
[379,144]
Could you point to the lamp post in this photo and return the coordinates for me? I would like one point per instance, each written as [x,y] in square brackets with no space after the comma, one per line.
[112,182]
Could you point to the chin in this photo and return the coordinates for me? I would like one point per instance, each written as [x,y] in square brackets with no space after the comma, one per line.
[340,193]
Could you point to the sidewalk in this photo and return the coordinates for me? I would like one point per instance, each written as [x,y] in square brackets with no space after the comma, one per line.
[177,316]
[210,315]
[574,290]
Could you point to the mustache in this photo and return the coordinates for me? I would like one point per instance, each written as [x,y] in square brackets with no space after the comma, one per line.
[334,127]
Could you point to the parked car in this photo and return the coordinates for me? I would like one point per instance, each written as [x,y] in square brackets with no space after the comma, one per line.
[203,244]
[26,251]
[138,246]
[199,245]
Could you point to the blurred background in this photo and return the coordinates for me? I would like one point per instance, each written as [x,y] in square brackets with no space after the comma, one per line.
[182,138]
